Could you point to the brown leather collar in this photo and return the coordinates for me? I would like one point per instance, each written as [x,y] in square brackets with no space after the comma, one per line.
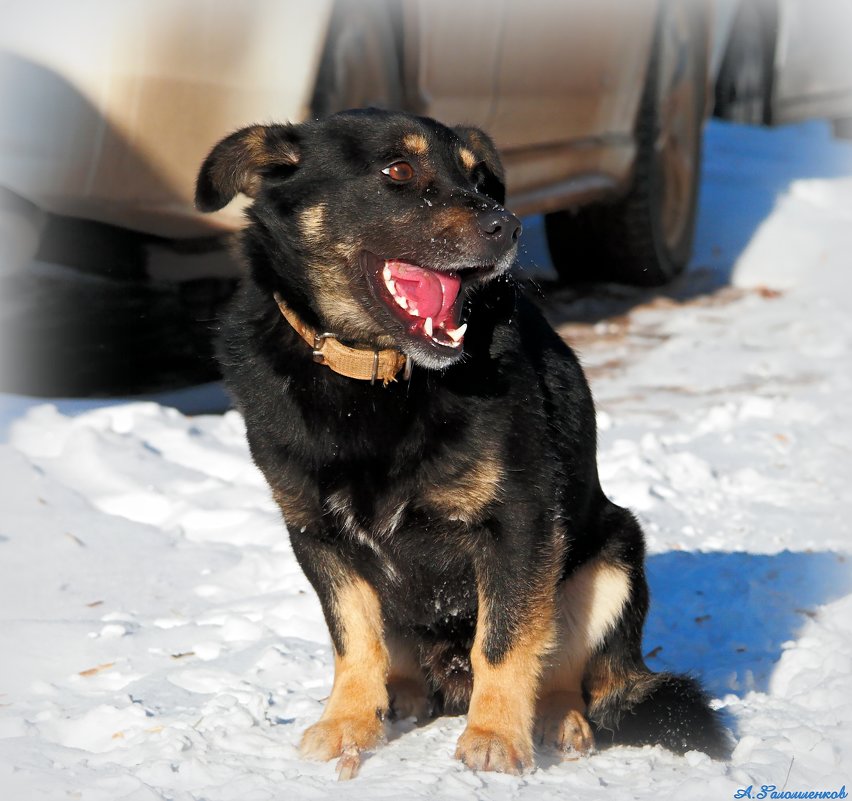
[364,363]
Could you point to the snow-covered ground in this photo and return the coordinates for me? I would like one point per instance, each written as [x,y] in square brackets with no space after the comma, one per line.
[158,641]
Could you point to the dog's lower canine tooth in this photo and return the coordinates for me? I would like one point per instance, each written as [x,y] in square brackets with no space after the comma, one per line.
[458,333]
[427,326]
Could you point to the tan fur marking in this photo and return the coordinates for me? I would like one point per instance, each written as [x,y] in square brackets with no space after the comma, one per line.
[257,158]
[240,170]
[416,143]
[312,223]
[346,318]
[359,695]
[331,269]
[483,149]
[589,604]
[332,265]
[464,496]
[264,152]
[453,221]
[329,273]
[255,144]
[467,158]
[474,138]
[608,589]
[501,714]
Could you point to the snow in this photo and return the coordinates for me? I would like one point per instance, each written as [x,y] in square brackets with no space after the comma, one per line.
[160,642]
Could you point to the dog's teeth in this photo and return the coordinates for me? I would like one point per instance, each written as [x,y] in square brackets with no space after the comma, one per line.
[457,334]
[401,302]
[391,284]
[413,311]
[427,326]
[386,273]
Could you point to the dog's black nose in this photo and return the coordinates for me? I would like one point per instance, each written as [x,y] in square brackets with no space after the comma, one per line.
[500,227]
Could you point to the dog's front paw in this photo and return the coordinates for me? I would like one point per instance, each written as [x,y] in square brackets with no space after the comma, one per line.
[483,749]
[568,733]
[340,736]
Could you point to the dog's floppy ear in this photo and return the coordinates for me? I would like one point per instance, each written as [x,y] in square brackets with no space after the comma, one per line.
[239,162]
[483,147]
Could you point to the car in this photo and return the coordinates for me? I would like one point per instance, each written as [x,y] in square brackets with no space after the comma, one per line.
[597,107]
[786,61]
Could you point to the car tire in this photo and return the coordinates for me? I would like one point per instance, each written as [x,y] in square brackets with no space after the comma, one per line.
[360,64]
[645,237]
[745,82]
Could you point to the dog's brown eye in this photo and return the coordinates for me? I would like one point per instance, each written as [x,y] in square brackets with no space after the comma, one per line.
[400,171]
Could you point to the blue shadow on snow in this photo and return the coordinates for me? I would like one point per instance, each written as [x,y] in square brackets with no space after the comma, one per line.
[726,616]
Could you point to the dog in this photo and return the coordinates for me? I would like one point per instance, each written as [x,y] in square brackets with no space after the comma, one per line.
[431,443]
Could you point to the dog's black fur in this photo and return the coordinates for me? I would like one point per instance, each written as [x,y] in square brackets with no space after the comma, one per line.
[453,524]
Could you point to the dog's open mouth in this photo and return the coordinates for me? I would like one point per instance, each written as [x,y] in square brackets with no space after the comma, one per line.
[427,302]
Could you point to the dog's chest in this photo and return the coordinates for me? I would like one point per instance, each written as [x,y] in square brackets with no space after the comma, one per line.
[417,556]
[426,500]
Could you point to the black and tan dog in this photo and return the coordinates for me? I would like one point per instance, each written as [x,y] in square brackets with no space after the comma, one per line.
[449,516]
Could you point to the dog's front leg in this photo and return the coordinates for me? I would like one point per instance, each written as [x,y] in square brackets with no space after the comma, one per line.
[514,630]
[353,715]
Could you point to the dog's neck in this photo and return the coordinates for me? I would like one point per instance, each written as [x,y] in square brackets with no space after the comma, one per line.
[362,363]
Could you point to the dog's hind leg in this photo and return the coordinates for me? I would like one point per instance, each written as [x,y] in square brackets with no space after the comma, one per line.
[589,603]
[628,704]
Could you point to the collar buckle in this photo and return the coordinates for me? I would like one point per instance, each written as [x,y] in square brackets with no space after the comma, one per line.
[319,338]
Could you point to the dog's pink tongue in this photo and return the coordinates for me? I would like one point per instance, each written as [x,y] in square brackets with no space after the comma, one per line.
[430,292]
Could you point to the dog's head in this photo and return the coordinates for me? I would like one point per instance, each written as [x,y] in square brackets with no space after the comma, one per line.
[377,224]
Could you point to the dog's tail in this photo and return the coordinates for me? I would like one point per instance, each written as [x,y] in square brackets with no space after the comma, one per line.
[639,707]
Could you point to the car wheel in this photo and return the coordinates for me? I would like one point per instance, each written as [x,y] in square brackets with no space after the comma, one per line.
[645,237]
[360,64]
[744,85]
